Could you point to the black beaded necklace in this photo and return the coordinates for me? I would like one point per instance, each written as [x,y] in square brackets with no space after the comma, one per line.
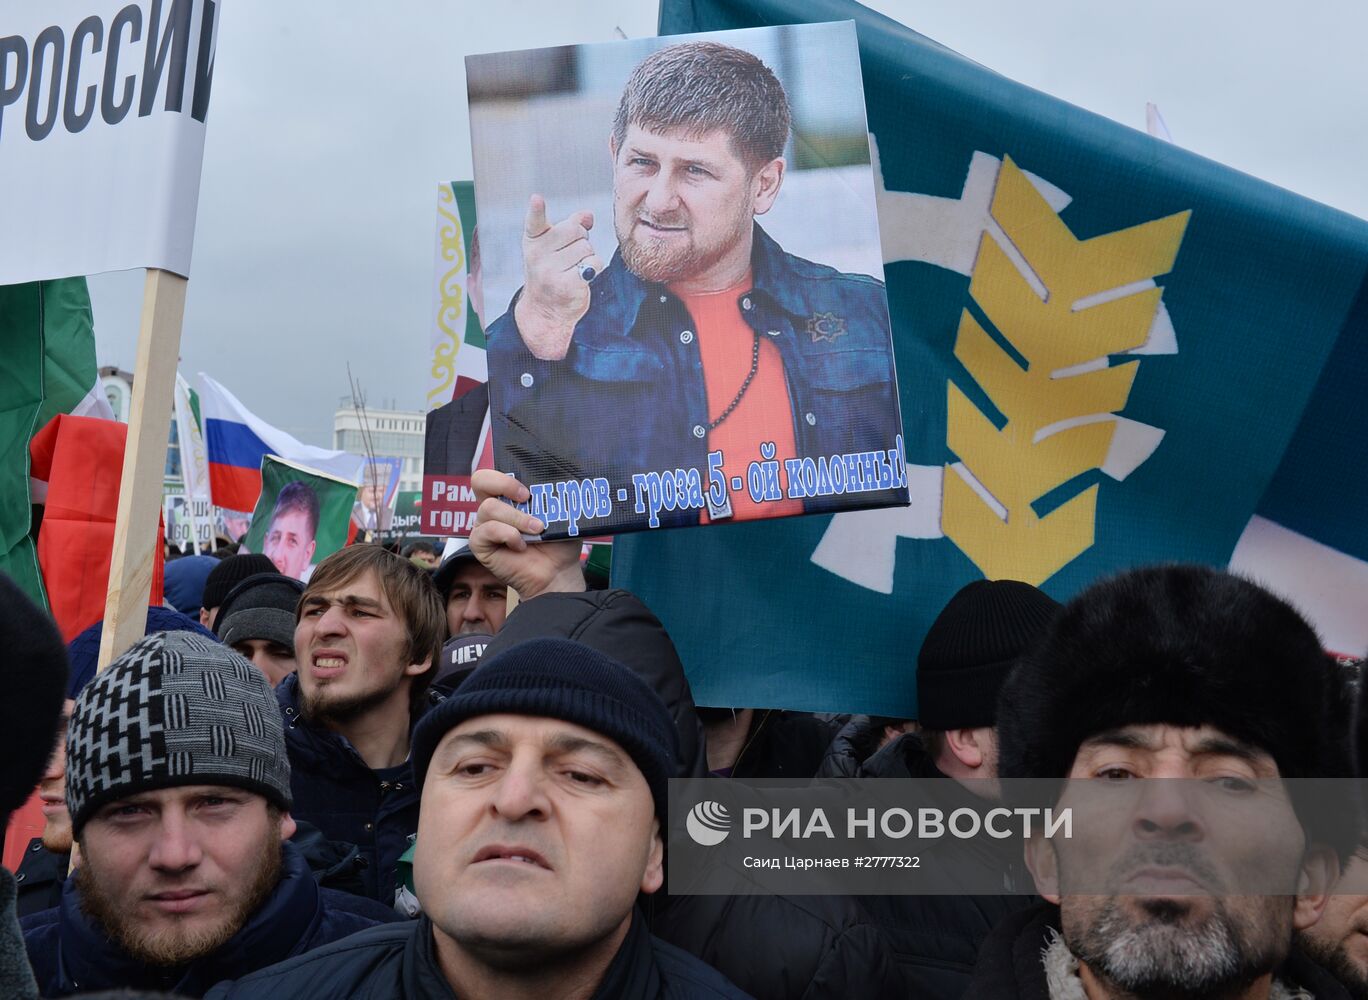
[736,401]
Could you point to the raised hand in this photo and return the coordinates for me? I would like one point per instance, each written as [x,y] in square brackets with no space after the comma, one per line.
[555,291]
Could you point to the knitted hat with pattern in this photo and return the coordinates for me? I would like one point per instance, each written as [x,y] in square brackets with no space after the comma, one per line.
[176,709]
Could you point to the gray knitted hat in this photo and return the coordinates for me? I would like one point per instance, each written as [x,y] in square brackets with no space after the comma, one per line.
[176,709]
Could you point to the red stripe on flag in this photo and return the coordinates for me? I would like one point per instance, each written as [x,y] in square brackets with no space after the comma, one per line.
[464,383]
[234,487]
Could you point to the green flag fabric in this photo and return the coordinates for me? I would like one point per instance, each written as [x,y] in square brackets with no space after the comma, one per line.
[47,366]
[1106,351]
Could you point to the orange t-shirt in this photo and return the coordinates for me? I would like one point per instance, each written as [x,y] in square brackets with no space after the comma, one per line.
[765,413]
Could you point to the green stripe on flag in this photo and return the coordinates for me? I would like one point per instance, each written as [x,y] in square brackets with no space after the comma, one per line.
[47,365]
[465,209]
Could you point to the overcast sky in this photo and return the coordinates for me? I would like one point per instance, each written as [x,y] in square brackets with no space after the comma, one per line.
[332,123]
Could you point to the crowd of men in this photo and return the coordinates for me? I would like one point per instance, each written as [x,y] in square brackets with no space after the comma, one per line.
[380,783]
[345,826]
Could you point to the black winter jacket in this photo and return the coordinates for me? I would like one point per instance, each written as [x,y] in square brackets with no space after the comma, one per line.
[783,745]
[397,963]
[71,954]
[334,790]
[1009,965]
[936,939]
[616,623]
[785,947]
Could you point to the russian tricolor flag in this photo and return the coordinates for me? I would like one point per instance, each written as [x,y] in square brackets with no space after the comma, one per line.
[236,440]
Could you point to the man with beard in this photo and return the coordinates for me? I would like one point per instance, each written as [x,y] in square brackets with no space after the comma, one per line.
[702,336]
[1173,889]
[179,796]
[1339,939]
[367,639]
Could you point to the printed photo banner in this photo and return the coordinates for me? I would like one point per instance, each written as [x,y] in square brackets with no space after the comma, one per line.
[688,323]
[303,516]
[1112,352]
[374,510]
[457,439]
[102,111]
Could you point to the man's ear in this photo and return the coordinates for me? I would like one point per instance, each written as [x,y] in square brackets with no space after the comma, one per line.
[1043,865]
[414,669]
[612,147]
[1319,872]
[768,180]
[313,545]
[966,746]
[654,875]
[287,826]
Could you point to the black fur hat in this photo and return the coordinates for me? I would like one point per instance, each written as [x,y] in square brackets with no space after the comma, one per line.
[33,680]
[1184,646]
[1181,645]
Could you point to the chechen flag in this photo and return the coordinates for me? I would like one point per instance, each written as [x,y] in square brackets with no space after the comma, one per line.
[236,440]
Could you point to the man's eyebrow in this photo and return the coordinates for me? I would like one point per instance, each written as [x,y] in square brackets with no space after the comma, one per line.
[566,743]
[1224,746]
[1126,739]
[490,739]
[1215,746]
[347,600]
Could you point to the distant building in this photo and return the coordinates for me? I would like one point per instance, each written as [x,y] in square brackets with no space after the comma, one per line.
[383,433]
[118,389]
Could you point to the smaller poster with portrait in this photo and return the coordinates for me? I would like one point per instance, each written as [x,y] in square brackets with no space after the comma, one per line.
[302,517]
[682,272]
[374,510]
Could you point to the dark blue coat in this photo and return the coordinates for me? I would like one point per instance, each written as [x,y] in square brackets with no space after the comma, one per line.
[71,954]
[629,396]
[398,963]
[334,790]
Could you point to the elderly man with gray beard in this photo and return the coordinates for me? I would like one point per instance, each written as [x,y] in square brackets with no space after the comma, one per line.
[1173,889]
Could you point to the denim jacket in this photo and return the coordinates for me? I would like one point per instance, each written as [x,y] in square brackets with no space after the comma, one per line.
[629,396]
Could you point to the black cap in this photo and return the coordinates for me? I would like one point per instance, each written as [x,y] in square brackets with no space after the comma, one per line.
[229,573]
[972,646]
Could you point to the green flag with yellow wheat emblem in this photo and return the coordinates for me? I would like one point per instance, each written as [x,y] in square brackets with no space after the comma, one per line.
[1104,346]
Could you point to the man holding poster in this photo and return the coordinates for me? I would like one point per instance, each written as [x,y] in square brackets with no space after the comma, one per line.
[704,374]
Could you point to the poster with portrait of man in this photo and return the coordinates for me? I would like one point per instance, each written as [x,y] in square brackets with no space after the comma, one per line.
[302,517]
[374,508]
[686,317]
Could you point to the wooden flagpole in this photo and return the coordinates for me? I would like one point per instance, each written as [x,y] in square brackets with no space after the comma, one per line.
[140,487]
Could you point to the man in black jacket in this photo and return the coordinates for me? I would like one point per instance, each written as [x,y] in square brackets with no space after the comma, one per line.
[774,947]
[1176,672]
[964,660]
[370,628]
[178,791]
[543,788]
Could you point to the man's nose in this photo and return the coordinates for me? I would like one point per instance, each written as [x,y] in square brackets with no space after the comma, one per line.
[662,195]
[56,765]
[521,792]
[1166,810]
[473,611]
[333,621]
[176,847]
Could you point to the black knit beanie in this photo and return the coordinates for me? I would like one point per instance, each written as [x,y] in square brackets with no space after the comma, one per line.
[229,573]
[560,679]
[971,648]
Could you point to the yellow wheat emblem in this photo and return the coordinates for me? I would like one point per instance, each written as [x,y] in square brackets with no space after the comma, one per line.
[1065,336]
